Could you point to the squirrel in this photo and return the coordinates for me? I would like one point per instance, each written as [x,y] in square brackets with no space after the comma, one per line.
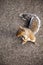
[28,32]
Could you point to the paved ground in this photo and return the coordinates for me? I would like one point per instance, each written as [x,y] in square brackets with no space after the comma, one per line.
[12,52]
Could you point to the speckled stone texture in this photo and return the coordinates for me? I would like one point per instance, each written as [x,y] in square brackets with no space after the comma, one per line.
[12,52]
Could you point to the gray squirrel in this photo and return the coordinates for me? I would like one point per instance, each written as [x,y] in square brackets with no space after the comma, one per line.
[32,26]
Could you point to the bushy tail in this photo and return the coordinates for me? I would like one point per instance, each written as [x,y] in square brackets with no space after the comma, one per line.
[33,17]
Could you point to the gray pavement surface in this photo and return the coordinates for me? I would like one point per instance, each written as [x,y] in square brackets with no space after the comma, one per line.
[12,52]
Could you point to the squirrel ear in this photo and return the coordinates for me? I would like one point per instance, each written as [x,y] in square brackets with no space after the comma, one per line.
[20,27]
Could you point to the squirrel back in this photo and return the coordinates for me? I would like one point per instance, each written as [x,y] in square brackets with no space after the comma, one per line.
[32,20]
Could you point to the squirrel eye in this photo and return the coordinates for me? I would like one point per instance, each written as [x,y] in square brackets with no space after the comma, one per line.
[23,37]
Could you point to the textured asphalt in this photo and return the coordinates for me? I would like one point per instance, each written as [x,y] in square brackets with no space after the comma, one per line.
[12,52]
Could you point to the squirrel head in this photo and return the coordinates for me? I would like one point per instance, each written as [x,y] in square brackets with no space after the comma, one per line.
[20,31]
